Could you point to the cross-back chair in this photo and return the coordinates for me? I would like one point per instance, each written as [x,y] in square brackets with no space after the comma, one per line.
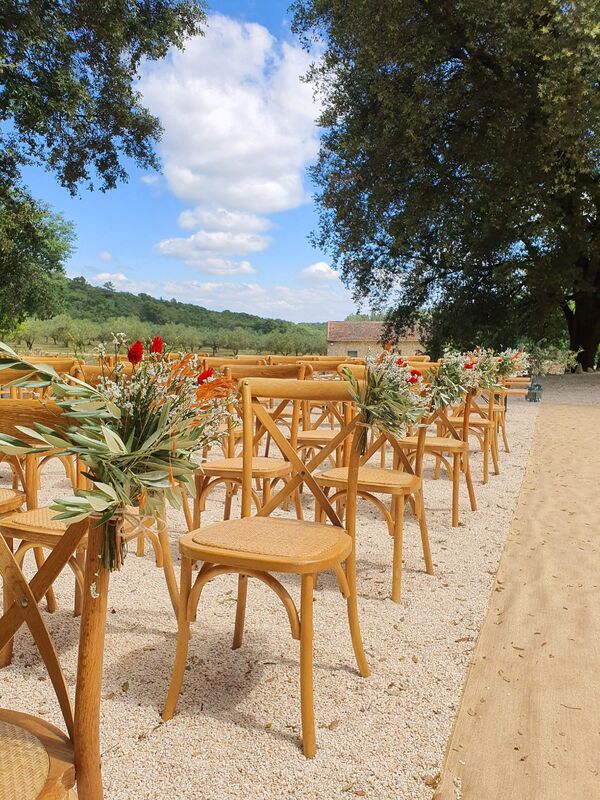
[483,424]
[451,444]
[34,528]
[256,546]
[404,481]
[38,761]
[266,470]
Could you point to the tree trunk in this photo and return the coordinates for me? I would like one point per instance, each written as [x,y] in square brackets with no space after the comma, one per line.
[583,318]
[584,327]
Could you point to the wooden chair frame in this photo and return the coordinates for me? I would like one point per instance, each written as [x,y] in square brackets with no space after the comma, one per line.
[261,567]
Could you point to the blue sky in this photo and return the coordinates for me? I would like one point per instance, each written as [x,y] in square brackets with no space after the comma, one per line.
[226,223]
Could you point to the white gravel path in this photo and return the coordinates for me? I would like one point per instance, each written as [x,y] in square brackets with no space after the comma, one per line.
[237,731]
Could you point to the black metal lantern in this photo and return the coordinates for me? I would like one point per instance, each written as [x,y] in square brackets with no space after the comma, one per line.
[534,392]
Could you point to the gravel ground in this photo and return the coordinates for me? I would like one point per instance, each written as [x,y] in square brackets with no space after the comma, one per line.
[582,389]
[237,731]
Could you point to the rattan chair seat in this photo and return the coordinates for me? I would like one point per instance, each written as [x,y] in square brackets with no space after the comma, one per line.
[36,759]
[441,443]
[35,525]
[10,500]
[475,421]
[261,467]
[285,545]
[372,479]
[319,436]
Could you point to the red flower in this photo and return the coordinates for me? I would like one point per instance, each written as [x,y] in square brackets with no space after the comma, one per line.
[470,365]
[412,379]
[135,352]
[401,362]
[156,345]
[204,376]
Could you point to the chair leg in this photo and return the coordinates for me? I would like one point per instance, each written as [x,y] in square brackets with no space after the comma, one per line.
[7,599]
[240,612]
[504,435]
[80,559]
[199,481]
[469,479]
[486,455]
[352,608]
[455,488]
[495,450]
[420,506]
[309,744]
[51,603]
[298,504]
[398,516]
[183,640]
[266,493]
[228,498]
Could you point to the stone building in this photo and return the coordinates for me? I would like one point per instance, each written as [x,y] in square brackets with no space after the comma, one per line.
[358,338]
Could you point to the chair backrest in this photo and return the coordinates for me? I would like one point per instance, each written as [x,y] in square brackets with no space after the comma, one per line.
[7,376]
[419,357]
[256,420]
[92,374]
[24,413]
[356,370]
[218,362]
[60,365]
[239,371]
[24,596]
[440,417]
[275,359]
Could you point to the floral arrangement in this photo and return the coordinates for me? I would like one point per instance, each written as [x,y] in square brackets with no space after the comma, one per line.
[456,375]
[544,359]
[512,362]
[136,432]
[390,397]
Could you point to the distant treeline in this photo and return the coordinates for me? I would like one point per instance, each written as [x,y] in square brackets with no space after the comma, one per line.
[89,314]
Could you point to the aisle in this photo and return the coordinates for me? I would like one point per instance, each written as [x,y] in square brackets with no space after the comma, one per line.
[528,725]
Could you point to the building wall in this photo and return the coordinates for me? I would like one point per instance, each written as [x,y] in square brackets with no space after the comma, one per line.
[406,347]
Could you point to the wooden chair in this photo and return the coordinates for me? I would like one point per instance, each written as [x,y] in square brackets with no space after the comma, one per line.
[34,528]
[483,424]
[451,443]
[403,482]
[257,546]
[37,759]
[267,471]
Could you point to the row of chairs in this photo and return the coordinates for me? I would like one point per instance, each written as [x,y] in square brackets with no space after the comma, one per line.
[256,546]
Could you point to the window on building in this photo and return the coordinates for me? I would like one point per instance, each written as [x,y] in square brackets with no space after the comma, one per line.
[352,353]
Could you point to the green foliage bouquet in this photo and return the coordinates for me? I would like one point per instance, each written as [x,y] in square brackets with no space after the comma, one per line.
[512,362]
[136,433]
[456,375]
[390,395]
[546,358]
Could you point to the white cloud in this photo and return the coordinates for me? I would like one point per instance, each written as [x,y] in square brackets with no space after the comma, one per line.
[125,284]
[105,255]
[315,304]
[202,243]
[220,219]
[239,131]
[320,271]
[150,180]
[113,277]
